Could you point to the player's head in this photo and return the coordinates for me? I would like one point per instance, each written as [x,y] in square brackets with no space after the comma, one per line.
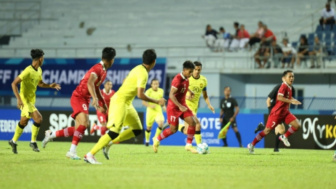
[149,58]
[188,68]
[227,91]
[108,85]
[288,77]
[236,25]
[328,7]
[155,84]
[37,55]
[197,70]
[260,24]
[108,55]
[242,27]
[208,27]
[221,29]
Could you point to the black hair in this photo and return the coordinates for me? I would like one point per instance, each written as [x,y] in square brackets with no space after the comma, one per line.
[286,72]
[188,65]
[305,40]
[236,24]
[153,81]
[221,28]
[149,56]
[108,53]
[36,53]
[198,63]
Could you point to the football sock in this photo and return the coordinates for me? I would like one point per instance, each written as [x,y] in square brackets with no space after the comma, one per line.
[190,134]
[166,133]
[259,136]
[225,142]
[198,137]
[103,141]
[125,135]
[18,132]
[34,131]
[103,130]
[66,132]
[277,141]
[239,138]
[290,131]
[147,135]
[158,132]
[77,136]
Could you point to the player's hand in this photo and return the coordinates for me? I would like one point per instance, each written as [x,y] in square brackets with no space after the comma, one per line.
[162,101]
[232,119]
[101,109]
[19,104]
[183,108]
[295,102]
[55,86]
[95,103]
[211,108]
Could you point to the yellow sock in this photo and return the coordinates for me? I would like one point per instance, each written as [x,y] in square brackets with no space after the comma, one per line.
[157,132]
[34,131]
[17,134]
[147,135]
[198,138]
[127,134]
[103,141]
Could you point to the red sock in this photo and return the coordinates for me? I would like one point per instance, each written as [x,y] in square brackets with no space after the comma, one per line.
[258,138]
[164,134]
[290,131]
[190,134]
[69,131]
[103,130]
[78,135]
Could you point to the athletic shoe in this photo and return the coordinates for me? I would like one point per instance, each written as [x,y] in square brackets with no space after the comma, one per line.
[106,150]
[91,159]
[147,144]
[13,145]
[72,156]
[260,127]
[47,138]
[33,145]
[250,147]
[190,149]
[94,128]
[284,140]
[156,144]
[276,150]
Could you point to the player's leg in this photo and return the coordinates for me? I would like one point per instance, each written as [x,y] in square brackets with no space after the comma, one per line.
[190,119]
[150,118]
[197,136]
[260,127]
[37,117]
[102,118]
[294,126]
[223,125]
[279,130]
[235,128]
[160,122]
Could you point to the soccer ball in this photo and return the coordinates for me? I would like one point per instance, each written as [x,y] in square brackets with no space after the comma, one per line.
[203,148]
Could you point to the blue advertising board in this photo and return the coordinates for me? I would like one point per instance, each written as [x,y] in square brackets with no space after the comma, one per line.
[68,72]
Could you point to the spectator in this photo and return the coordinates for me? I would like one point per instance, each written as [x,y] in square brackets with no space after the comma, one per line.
[256,37]
[288,54]
[241,39]
[316,53]
[262,55]
[236,27]
[223,40]
[276,53]
[210,36]
[268,36]
[303,50]
[328,16]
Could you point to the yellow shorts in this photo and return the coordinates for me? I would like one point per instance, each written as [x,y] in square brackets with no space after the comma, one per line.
[121,114]
[27,110]
[152,116]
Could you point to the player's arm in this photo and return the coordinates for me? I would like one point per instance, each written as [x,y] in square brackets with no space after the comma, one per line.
[52,85]
[141,95]
[289,101]
[145,103]
[235,114]
[207,101]
[192,94]
[268,102]
[172,97]
[15,89]
[101,99]
[92,90]
[221,115]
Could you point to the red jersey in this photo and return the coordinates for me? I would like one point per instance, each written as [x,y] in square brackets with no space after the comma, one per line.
[100,71]
[282,107]
[181,84]
[107,96]
[269,33]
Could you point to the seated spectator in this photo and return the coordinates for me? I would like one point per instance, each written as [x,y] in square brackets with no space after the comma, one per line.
[241,39]
[288,54]
[210,36]
[256,37]
[223,40]
[262,55]
[316,53]
[303,50]
[268,36]
[328,16]
[276,52]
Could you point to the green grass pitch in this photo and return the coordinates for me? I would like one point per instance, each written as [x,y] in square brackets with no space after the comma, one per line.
[136,166]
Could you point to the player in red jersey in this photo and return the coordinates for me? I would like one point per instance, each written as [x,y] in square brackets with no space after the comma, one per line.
[280,113]
[177,107]
[80,99]
[107,94]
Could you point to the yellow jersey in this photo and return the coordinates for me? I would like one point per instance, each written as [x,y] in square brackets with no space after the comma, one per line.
[30,78]
[197,86]
[158,94]
[136,78]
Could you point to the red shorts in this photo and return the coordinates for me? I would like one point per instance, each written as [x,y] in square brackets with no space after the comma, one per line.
[79,104]
[174,114]
[102,117]
[275,119]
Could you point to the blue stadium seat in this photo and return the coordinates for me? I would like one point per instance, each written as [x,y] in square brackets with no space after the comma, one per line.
[327,27]
[327,36]
[311,36]
[294,44]
[319,28]
[319,35]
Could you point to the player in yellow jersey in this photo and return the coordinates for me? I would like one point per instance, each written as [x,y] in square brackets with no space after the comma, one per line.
[197,84]
[121,111]
[154,111]
[29,79]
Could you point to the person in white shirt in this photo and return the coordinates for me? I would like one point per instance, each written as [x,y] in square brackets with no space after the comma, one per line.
[328,16]
[288,54]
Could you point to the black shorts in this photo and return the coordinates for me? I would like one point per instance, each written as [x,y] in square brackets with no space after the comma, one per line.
[225,121]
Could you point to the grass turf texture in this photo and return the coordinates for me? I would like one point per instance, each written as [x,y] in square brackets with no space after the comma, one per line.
[136,166]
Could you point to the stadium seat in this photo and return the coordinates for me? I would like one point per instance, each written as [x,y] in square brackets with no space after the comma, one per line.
[319,28]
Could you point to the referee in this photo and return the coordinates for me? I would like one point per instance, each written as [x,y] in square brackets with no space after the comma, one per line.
[229,111]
